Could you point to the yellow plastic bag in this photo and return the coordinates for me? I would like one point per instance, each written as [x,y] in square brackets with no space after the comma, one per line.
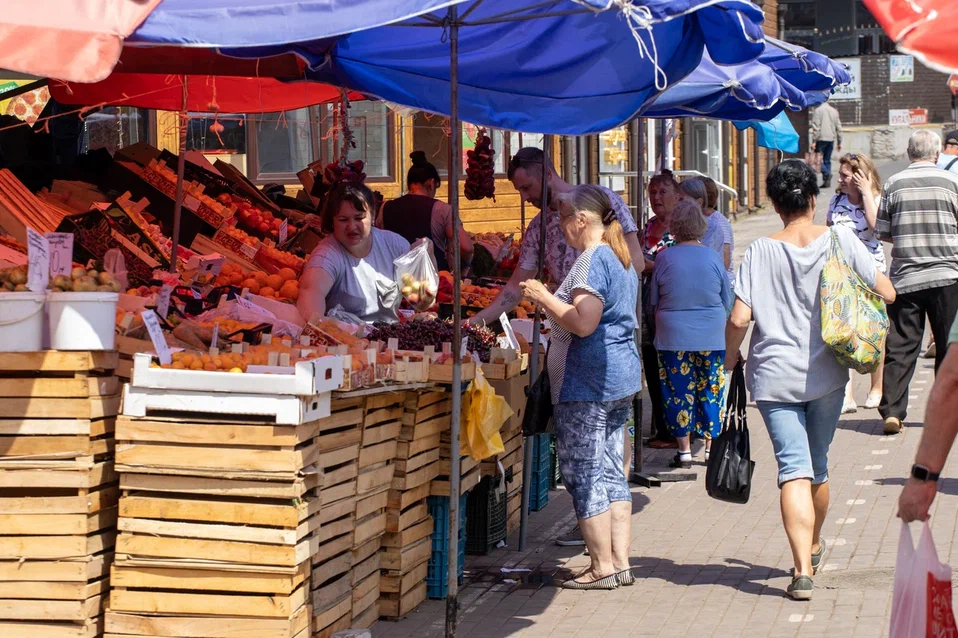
[483,413]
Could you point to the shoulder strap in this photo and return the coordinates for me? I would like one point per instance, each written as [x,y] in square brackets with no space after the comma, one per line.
[951,163]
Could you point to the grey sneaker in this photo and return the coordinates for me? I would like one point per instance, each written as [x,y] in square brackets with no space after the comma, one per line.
[800,588]
[572,539]
[818,556]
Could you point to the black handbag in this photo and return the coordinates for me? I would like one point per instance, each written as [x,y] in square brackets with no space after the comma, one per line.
[538,416]
[728,476]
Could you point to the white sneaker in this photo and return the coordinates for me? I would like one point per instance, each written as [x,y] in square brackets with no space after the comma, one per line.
[873,400]
[849,406]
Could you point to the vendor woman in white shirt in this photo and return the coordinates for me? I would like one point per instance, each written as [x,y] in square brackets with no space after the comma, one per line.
[353,266]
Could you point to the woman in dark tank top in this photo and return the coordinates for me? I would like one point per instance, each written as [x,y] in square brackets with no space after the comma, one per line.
[419,214]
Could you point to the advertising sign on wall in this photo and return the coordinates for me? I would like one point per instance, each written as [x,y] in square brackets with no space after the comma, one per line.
[851,91]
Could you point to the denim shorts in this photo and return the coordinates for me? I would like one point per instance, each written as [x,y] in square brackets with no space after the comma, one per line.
[590,440]
[801,434]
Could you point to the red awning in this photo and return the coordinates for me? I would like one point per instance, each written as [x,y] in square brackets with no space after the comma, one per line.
[927,29]
[224,94]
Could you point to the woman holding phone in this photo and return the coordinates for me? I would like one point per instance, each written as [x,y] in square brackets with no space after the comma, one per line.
[855,206]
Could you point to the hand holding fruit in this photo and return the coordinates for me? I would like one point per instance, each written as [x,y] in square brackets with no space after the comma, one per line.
[534,290]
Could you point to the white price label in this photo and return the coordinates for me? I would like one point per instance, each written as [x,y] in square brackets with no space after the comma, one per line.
[510,333]
[156,336]
[163,300]
[206,264]
[38,254]
[191,202]
[283,231]
[216,335]
[463,347]
[249,305]
[61,253]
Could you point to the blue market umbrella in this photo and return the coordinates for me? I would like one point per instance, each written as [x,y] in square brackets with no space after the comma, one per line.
[778,133]
[805,70]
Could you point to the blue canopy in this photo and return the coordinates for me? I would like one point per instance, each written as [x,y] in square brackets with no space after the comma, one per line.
[567,67]
[806,70]
[750,91]
[777,134]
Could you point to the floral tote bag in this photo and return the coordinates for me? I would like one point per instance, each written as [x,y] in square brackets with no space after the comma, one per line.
[854,319]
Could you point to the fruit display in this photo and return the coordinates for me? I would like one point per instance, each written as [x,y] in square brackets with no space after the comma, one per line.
[419,293]
[80,280]
[236,362]
[416,335]
[272,260]
[193,189]
[481,169]
[253,219]
[166,244]
[239,235]
[281,286]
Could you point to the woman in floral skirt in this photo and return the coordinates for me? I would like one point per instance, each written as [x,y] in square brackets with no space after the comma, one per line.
[690,331]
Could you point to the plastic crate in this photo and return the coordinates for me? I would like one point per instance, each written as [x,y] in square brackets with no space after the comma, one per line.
[439,510]
[539,491]
[436,586]
[485,516]
[541,452]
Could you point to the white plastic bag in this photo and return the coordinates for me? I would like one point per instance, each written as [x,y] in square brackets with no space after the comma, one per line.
[417,275]
[114,264]
[921,603]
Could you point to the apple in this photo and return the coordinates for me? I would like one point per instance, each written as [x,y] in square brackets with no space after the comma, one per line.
[254,220]
[263,228]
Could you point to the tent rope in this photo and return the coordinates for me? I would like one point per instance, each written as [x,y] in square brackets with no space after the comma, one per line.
[639,18]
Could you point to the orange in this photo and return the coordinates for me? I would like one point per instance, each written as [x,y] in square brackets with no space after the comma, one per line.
[290,290]
[266,291]
[274,281]
[260,276]
[287,274]
[252,284]
[236,278]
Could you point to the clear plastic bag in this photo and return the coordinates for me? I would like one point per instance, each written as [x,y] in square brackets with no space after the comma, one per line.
[417,275]
[114,264]
[921,602]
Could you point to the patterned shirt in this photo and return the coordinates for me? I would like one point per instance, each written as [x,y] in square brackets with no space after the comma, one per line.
[559,255]
[718,234]
[603,366]
[841,212]
[919,213]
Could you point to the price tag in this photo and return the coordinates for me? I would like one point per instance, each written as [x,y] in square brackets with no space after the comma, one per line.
[510,333]
[283,231]
[156,336]
[463,347]
[61,253]
[163,300]
[206,264]
[392,343]
[249,305]
[38,254]
[191,202]
[216,335]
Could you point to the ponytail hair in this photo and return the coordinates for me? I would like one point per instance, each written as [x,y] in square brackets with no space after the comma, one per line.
[595,202]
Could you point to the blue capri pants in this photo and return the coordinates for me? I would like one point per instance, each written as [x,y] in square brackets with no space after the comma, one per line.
[590,442]
[801,434]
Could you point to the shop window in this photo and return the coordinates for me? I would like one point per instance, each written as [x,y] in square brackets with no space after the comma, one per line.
[283,144]
[230,141]
[114,127]
[371,124]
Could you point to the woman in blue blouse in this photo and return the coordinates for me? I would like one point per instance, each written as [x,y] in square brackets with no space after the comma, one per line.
[594,370]
[690,331]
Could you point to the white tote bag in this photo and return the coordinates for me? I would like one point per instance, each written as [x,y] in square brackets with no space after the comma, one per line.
[921,604]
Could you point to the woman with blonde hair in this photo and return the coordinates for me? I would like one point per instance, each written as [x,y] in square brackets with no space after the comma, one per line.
[690,331]
[594,371]
[855,206]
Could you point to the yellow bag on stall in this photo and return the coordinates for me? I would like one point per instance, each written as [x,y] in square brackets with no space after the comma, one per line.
[483,413]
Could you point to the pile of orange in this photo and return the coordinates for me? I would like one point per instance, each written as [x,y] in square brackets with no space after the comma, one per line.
[282,286]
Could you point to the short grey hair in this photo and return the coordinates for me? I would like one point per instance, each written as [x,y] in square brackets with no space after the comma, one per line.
[687,222]
[924,145]
[695,188]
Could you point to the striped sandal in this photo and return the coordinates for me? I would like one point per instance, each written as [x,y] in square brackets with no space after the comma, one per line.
[606,583]
[626,578]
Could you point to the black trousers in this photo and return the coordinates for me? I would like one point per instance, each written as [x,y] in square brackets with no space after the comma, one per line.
[907,318]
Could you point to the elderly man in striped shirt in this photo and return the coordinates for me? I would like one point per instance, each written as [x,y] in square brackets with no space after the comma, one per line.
[919,215]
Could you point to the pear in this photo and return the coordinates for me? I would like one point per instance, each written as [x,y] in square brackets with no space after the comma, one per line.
[77,273]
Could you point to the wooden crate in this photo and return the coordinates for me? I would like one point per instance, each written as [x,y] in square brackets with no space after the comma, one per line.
[397,606]
[187,625]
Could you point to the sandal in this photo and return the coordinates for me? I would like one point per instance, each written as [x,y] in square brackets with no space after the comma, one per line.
[626,578]
[607,583]
[677,462]
[818,556]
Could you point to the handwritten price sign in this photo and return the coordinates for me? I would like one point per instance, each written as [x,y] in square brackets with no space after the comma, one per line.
[38,254]
[61,253]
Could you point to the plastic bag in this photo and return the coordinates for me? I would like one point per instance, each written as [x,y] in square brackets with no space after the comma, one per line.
[417,276]
[250,313]
[483,412]
[114,264]
[921,603]
[814,161]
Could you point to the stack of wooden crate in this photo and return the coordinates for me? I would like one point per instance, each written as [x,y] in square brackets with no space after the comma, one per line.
[220,511]
[340,442]
[58,491]
[407,546]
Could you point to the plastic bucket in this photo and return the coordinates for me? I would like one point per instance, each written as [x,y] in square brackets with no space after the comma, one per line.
[82,320]
[21,321]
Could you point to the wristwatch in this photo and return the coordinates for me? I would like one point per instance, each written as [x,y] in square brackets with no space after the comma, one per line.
[922,473]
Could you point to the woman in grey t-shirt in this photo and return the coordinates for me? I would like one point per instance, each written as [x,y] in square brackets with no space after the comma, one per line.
[794,378]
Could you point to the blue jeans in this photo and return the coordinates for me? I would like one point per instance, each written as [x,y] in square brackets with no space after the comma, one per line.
[825,148]
[801,434]
[589,442]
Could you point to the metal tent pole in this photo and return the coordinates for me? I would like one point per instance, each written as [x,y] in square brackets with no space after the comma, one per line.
[522,202]
[180,168]
[534,354]
[455,140]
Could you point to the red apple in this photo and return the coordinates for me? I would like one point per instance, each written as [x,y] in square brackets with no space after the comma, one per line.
[264,227]
[254,220]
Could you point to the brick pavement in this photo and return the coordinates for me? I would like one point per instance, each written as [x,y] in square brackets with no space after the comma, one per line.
[706,568]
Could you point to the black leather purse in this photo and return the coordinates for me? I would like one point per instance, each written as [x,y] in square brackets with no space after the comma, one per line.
[538,416]
[728,476]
